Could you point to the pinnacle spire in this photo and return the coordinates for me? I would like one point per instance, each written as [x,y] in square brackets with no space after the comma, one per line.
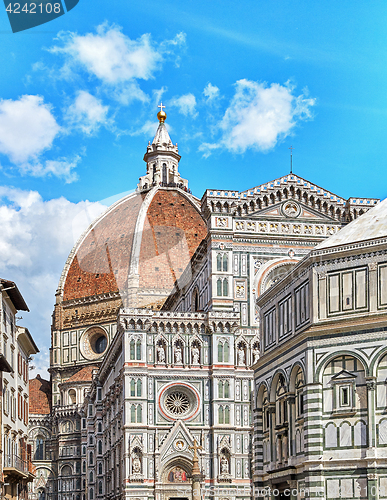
[162,159]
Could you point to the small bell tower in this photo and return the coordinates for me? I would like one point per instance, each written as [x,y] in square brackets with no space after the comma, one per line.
[162,160]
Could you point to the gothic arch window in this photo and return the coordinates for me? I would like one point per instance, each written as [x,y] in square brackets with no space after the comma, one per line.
[100,491]
[138,349]
[226,352]
[222,262]
[91,477]
[223,389]
[91,494]
[139,413]
[84,466]
[219,288]
[135,350]
[165,174]
[223,352]
[99,426]
[100,469]
[133,414]
[133,387]
[100,447]
[224,414]
[72,397]
[221,415]
[139,388]
[132,350]
[225,287]
[91,458]
[136,414]
[39,448]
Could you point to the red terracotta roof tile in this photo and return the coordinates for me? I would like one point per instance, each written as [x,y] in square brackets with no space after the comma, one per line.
[84,375]
[40,396]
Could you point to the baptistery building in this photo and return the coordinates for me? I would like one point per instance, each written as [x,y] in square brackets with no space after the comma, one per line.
[320,383]
[155,331]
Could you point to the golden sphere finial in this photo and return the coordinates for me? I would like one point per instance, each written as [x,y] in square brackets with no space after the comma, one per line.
[161,115]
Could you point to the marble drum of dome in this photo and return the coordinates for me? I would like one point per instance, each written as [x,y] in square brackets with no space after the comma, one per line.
[179,401]
[93,342]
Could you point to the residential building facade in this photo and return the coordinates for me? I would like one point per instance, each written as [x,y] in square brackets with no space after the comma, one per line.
[17,345]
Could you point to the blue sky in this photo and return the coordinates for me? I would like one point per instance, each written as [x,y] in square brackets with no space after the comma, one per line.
[241,82]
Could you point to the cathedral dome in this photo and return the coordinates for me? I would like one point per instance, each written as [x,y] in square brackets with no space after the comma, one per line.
[139,247]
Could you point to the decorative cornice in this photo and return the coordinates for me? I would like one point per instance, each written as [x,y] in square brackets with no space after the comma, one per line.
[91,299]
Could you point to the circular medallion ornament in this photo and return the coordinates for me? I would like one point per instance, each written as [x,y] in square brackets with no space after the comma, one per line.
[93,342]
[179,401]
[180,445]
[291,209]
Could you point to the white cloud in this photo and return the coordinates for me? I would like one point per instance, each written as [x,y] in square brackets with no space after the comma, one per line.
[110,55]
[158,94]
[62,168]
[211,91]
[87,113]
[36,238]
[149,129]
[186,104]
[27,128]
[40,362]
[259,116]
[114,58]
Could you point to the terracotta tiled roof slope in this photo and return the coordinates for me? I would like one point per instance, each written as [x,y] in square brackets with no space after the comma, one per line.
[40,396]
[84,375]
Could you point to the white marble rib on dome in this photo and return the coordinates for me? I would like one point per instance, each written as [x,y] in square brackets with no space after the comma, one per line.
[369,226]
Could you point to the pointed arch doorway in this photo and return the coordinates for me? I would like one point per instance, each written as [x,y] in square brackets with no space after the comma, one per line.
[176,480]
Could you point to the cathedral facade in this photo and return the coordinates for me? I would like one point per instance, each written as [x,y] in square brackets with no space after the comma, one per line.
[156,329]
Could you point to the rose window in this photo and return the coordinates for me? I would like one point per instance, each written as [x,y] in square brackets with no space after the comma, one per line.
[177,403]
